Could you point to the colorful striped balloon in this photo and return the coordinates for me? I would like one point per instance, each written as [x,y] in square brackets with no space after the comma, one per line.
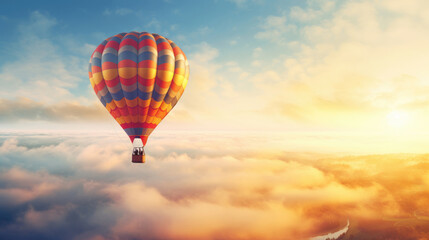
[138,77]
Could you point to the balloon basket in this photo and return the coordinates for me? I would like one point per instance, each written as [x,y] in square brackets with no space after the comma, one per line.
[138,159]
[138,155]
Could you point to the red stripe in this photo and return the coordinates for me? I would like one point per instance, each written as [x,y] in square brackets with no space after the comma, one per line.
[127,63]
[109,65]
[128,41]
[146,82]
[147,64]
[147,42]
[134,111]
[113,82]
[100,48]
[113,44]
[100,85]
[138,125]
[123,111]
[116,112]
[162,84]
[128,81]
[126,108]
[95,69]
[163,45]
[144,139]
[177,51]
[174,87]
[166,67]
[126,125]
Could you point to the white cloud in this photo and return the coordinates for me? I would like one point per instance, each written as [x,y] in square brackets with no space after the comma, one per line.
[257,52]
[119,11]
[88,182]
[314,10]
[274,28]
[244,3]
[41,72]
[351,68]
[154,23]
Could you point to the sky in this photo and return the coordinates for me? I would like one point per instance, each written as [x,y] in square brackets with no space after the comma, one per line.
[336,67]
[300,119]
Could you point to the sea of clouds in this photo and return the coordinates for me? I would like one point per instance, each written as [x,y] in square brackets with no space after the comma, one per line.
[203,186]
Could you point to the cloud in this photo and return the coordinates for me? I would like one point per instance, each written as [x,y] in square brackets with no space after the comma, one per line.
[154,23]
[314,10]
[349,69]
[25,109]
[41,71]
[274,28]
[119,11]
[85,187]
[245,3]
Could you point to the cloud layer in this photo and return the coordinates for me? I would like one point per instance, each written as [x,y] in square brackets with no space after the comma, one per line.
[83,186]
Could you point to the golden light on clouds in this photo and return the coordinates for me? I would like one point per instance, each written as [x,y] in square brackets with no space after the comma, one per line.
[190,191]
[398,118]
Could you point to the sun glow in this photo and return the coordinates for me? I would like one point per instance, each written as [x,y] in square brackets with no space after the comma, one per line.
[397,118]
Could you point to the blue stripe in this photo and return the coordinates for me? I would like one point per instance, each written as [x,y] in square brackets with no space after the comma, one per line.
[157,97]
[127,55]
[133,131]
[146,37]
[109,57]
[118,96]
[103,102]
[174,102]
[130,95]
[130,36]
[145,95]
[116,39]
[173,45]
[129,131]
[147,56]
[107,98]
[138,131]
[96,62]
[160,40]
[165,59]
[179,64]
[168,99]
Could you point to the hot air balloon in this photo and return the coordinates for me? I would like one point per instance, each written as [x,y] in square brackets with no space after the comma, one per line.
[138,77]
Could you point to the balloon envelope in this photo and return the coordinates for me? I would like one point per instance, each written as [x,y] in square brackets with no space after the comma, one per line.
[139,77]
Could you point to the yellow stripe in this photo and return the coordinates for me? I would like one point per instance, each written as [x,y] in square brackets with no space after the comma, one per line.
[147,73]
[97,77]
[110,74]
[127,72]
[165,76]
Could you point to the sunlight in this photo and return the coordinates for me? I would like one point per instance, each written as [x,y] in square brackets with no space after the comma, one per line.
[397,118]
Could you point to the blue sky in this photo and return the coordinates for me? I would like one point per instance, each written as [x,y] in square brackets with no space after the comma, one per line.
[226,25]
